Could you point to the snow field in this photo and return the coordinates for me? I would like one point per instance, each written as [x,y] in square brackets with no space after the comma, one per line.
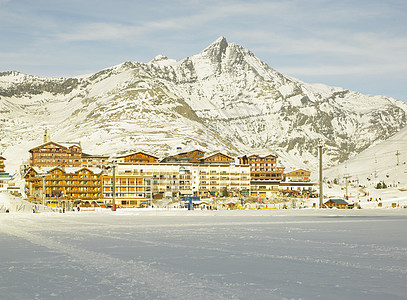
[293,254]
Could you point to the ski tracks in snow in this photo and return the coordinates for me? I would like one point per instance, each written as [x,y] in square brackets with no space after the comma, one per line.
[126,279]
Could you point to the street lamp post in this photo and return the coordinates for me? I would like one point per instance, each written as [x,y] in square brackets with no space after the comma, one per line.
[43,190]
[321,194]
[114,185]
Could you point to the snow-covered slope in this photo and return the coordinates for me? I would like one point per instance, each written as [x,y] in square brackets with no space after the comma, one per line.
[223,98]
[386,162]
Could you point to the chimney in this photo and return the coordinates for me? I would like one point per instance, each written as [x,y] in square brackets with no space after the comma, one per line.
[47,137]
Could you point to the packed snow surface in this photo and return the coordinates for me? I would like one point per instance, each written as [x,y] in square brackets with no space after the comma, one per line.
[178,254]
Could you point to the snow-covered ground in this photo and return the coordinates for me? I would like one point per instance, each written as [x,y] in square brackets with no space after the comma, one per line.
[179,254]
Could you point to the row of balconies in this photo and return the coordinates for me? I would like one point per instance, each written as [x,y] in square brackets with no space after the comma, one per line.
[76,197]
[254,189]
[66,182]
[67,178]
[157,173]
[126,192]
[76,193]
[130,196]
[224,174]
[229,184]
[126,186]
[225,179]
[92,189]
[134,188]
[71,181]
[61,157]
[73,177]
[69,185]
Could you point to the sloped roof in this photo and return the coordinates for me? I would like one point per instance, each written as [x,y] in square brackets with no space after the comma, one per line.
[173,159]
[92,155]
[70,144]
[297,170]
[259,156]
[139,152]
[337,201]
[66,145]
[68,170]
[2,158]
[215,153]
[40,146]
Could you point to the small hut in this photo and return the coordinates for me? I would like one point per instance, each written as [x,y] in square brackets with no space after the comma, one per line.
[336,203]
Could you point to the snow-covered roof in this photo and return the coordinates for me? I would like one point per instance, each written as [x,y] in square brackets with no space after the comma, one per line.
[63,144]
[264,156]
[68,170]
[187,149]
[337,201]
[93,155]
[296,170]
[70,144]
[214,153]
[134,153]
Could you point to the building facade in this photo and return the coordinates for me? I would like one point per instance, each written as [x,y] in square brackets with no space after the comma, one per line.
[2,165]
[166,180]
[158,181]
[94,161]
[132,189]
[298,176]
[217,159]
[53,154]
[193,156]
[138,158]
[336,203]
[63,183]
[265,175]
[4,177]
[221,180]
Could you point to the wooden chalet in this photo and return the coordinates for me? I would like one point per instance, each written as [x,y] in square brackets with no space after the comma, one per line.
[2,165]
[138,158]
[94,161]
[298,176]
[216,159]
[53,154]
[175,160]
[336,203]
[193,156]
[71,183]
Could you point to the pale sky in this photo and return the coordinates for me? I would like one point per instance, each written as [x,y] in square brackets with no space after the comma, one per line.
[360,45]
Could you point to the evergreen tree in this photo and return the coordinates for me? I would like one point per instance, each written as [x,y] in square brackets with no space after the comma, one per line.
[225,192]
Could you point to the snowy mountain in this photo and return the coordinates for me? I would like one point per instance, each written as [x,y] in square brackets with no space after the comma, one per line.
[223,98]
[385,162]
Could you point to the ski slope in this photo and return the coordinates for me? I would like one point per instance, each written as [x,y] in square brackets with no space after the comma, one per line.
[284,254]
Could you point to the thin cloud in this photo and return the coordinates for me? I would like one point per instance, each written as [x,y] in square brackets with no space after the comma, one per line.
[102,31]
[341,70]
[98,32]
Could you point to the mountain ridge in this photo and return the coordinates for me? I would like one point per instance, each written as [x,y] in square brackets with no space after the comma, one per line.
[222,98]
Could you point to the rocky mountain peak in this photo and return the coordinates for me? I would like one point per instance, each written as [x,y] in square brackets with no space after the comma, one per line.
[216,50]
[222,98]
